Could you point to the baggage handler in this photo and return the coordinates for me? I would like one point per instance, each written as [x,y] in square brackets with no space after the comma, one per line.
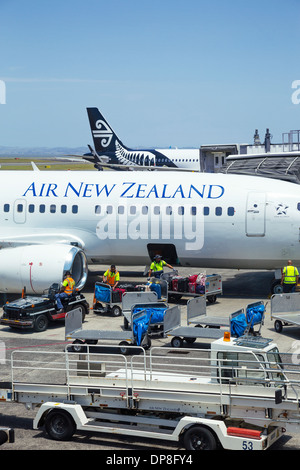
[111,276]
[66,290]
[289,277]
[157,267]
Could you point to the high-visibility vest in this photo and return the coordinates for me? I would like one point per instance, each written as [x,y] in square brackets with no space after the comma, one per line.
[69,285]
[157,266]
[111,277]
[290,275]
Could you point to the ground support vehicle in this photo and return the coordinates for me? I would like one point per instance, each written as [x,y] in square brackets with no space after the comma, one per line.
[36,312]
[285,310]
[196,314]
[132,301]
[108,300]
[213,287]
[83,337]
[240,394]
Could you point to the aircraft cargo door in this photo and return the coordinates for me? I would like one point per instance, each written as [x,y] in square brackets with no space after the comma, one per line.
[255,214]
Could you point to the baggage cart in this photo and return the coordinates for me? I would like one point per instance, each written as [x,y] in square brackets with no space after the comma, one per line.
[140,300]
[212,288]
[285,310]
[82,337]
[105,300]
[172,327]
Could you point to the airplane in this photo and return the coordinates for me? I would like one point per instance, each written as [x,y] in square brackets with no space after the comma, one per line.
[66,220]
[111,152]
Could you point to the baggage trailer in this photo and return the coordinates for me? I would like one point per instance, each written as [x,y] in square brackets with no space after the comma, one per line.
[109,300]
[240,395]
[285,310]
[82,337]
[133,300]
[212,288]
[196,314]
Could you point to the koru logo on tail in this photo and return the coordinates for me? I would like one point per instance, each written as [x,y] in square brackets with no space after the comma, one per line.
[104,133]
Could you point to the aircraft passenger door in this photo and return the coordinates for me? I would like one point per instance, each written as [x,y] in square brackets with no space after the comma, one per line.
[20,206]
[256,215]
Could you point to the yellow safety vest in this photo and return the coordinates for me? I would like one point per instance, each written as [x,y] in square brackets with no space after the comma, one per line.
[157,266]
[69,285]
[112,277]
[290,275]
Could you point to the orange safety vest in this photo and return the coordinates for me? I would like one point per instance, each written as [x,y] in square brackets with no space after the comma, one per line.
[111,277]
[69,286]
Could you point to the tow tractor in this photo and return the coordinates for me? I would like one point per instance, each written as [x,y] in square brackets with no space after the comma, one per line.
[36,312]
[240,394]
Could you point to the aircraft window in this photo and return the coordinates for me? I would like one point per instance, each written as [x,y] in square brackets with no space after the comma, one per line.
[193,210]
[20,208]
[52,209]
[109,209]
[298,206]
[42,208]
[31,208]
[74,209]
[121,210]
[230,211]
[145,210]
[63,209]
[132,210]
[218,211]
[97,209]
[156,210]
[180,210]
[168,210]
[205,210]
[6,207]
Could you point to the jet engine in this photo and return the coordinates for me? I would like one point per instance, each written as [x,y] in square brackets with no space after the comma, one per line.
[36,267]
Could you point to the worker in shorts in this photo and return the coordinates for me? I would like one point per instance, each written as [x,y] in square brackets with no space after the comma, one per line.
[157,267]
[66,290]
[289,277]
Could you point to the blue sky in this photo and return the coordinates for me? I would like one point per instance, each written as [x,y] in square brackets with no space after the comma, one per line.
[164,73]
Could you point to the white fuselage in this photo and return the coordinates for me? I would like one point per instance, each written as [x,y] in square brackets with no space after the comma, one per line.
[213,220]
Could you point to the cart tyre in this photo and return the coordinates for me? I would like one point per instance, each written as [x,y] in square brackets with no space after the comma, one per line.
[211,299]
[278,326]
[41,323]
[276,287]
[116,311]
[60,425]
[177,342]
[199,438]
[78,346]
[190,340]
[148,344]
[124,347]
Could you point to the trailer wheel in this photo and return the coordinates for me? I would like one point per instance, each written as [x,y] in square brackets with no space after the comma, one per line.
[177,342]
[59,425]
[278,326]
[190,340]
[78,346]
[199,438]
[41,323]
[116,311]
[124,347]
[211,299]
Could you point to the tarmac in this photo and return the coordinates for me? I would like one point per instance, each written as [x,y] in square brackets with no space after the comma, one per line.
[240,288]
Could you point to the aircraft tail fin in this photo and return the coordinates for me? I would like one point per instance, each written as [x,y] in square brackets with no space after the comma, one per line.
[103,136]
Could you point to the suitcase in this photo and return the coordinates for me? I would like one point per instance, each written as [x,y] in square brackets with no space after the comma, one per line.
[156,288]
[183,285]
[193,278]
[116,295]
[175,281]
[200,289]
[192,287]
